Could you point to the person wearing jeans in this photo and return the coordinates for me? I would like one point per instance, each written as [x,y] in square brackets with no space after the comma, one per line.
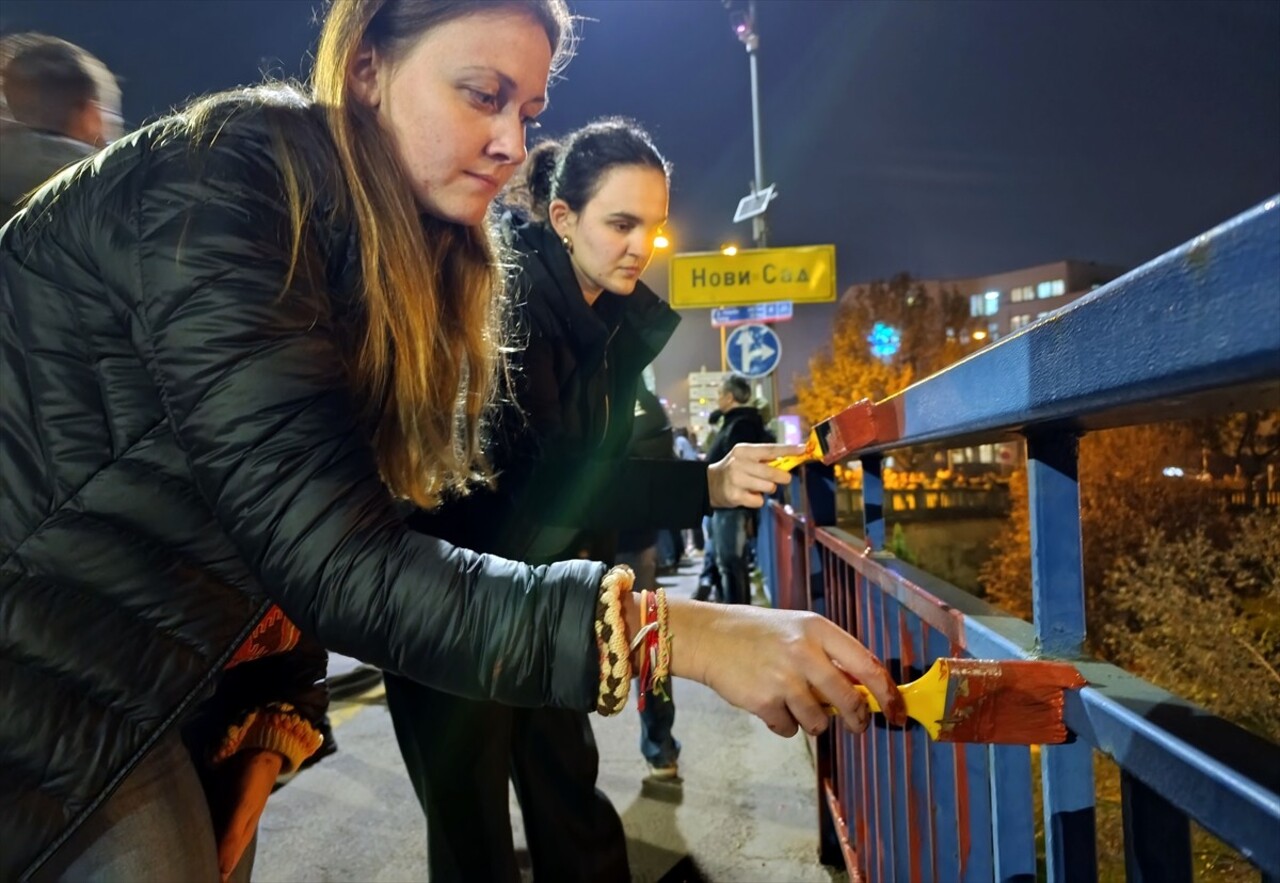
[740,423]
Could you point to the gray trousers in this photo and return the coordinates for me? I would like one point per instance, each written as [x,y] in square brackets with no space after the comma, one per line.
[155,827]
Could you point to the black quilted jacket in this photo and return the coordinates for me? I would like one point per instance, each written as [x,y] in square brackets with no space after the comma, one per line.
[178,450]
[566,484]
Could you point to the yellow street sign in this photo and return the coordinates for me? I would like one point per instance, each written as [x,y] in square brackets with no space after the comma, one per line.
[805,274]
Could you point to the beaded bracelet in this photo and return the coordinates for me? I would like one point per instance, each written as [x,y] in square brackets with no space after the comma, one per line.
[611,641]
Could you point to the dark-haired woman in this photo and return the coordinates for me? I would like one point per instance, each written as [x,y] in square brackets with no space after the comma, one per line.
[587,213]
[230,346]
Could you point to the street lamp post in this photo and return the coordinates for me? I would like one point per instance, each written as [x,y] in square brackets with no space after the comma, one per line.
[744,26]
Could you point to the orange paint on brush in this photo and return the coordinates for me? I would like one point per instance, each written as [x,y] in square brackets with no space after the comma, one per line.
[1002,702]
[1010,702]
[835,438]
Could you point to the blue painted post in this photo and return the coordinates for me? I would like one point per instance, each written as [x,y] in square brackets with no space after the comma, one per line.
[1057,595]
[944,777]
[1012,813]
[901,856]
[1157,837]
[916,746]
[975,771]
[873,500]
[880,745]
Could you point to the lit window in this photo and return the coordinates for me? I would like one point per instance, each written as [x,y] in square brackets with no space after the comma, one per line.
[1042,315]
[993,328]
[1016,322]
[1059,287]
[992,303]
[975,305]
[1044,289]
[1023,293]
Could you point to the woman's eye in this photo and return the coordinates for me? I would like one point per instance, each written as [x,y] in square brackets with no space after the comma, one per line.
[485,99]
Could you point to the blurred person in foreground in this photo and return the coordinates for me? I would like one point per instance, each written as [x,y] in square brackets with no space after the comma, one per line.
[239,346]
[63,104]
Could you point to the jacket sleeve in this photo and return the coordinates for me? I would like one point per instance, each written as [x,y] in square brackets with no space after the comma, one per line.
[252,381]
[563,486]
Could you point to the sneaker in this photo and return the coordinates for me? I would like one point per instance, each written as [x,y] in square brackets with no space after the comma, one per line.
[665,773]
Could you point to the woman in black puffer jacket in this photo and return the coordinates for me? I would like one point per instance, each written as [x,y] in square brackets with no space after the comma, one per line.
[211,406]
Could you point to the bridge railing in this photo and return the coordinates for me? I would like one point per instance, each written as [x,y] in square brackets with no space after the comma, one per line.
[1194,332]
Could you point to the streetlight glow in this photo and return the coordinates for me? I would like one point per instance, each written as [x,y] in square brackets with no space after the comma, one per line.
[661,241]
[729,250]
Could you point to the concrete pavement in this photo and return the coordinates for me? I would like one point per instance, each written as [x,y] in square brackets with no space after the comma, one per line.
[746,810]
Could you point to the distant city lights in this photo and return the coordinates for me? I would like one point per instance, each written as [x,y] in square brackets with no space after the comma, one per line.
[885,340]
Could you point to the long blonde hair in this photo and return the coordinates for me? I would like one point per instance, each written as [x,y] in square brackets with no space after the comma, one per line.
[431,350]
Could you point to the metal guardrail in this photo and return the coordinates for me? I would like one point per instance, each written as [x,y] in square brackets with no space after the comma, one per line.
[1194,332]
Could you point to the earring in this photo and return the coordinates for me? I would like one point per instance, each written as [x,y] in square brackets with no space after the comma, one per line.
[567,243]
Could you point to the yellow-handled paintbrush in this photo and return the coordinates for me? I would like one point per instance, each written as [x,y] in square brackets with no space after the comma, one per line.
[1003,702]
[836,437]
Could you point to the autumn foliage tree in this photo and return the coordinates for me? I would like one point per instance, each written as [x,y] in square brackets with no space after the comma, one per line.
[1176,590]
[929,326]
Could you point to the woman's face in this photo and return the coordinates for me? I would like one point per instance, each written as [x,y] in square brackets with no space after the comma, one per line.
[612,237]
[456,106]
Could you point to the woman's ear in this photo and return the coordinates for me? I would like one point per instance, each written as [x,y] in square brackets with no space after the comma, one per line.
[560,216]
[362,76]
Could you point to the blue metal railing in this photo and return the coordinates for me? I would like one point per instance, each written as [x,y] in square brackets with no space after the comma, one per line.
[1194,332]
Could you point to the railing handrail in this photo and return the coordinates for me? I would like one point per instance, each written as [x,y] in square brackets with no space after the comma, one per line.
[1113,713]
[1173,338]
[1194,332]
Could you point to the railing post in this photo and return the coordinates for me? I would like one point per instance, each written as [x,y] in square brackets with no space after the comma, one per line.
[1057,593]
[1157,837]
[873,500]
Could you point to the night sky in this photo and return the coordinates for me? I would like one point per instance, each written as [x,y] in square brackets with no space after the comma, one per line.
[940,138]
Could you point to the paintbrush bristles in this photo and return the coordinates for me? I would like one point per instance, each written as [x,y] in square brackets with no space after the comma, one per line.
[846,432]
[1006,702]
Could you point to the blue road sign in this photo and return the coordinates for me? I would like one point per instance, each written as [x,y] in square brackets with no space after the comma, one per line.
[753,350]
[775,311]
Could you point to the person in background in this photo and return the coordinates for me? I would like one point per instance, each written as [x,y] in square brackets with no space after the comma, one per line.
[238,347]
[740,423]
[63,104]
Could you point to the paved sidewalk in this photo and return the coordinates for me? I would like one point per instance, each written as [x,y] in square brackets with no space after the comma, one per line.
[746,810]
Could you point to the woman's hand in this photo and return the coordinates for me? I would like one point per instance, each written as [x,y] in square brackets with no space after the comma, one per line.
[777,663]
[251,776]
[744,477]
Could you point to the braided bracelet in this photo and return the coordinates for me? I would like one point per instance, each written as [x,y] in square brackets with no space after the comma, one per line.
[611,641]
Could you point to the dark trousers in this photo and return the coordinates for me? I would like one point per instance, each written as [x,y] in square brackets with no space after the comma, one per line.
[459,754]
[729,537]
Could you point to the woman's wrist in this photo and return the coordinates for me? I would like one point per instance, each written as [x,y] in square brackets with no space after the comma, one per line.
[688,622]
